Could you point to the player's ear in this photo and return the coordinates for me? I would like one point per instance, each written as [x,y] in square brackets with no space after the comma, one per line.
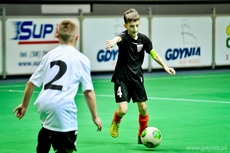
[76,37]
[56,32]
[57,36]
[125,25]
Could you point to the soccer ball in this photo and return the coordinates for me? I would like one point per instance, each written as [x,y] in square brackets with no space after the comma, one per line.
[151,137]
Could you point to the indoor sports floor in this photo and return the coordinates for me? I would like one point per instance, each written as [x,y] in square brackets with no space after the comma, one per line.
[191,109]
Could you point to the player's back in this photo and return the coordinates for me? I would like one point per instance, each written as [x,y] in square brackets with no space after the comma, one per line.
[60,72]
[63,71]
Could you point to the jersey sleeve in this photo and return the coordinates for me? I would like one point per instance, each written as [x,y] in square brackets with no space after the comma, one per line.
[148,44]
[122,35]
[86,79]
[37,76]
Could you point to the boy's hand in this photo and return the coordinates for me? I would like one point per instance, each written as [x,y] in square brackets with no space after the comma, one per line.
[98,123]
[20,111]
[171,71]
[109,44]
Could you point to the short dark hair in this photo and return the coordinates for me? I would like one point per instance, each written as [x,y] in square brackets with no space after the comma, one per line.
[131,15]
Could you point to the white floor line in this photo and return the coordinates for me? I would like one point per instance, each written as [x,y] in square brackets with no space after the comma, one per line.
[190,100]
[147,77]
[21,91]
[153,98]
[187,76]
[176,99]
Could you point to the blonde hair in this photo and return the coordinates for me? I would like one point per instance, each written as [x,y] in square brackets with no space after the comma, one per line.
[131,16]
[67,30]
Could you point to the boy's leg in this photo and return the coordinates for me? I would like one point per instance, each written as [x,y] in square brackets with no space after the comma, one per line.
[115,124]
[44,141]
[143,119]
[64,142]
[140,96]
[122,98]
[118,114]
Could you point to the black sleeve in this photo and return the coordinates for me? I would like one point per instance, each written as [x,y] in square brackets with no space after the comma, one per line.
[147,44]
[123,37]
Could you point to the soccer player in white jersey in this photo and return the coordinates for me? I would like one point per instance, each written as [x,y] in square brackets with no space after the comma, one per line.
[60,73]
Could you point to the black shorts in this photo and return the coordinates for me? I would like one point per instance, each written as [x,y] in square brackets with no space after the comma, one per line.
[124,92]
[58,140]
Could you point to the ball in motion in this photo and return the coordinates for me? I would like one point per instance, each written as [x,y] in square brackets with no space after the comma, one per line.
[151,137]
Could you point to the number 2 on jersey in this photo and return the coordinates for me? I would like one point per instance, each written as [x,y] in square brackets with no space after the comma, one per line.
[62,69]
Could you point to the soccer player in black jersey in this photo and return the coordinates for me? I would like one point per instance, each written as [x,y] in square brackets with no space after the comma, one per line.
[128,74]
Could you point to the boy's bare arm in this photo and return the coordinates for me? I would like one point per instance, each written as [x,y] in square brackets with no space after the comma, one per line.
[159,60]
[20,110]
[110,43]
[90,98]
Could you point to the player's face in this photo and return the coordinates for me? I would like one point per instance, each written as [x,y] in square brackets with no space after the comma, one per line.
[133,28]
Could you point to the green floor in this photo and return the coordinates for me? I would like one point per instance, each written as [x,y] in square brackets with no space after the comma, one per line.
[191,110]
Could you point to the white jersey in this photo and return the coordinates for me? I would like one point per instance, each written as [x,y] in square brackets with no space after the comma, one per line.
[60,73]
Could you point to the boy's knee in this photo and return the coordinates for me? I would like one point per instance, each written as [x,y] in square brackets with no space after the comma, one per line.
[122,111]
[142,109]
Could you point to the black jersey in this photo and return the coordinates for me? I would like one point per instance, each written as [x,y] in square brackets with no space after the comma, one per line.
[130,58]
